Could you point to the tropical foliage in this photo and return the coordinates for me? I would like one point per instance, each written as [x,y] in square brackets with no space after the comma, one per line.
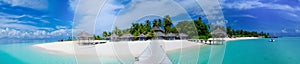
[242,33]
[196,29]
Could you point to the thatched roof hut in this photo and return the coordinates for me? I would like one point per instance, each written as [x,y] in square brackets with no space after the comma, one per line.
[159,34]
[218,33]
[84,36]
[142,35]
[126,36]
[182,35]
[113,35]
[156,29]
[171,35]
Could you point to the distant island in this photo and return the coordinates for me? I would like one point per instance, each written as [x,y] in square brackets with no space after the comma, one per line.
[199,30]
[133,43]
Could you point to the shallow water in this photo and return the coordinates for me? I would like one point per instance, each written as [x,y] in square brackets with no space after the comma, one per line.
[258,51]
[23,53]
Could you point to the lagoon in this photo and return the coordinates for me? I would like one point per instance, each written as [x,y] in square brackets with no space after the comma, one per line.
[256,51]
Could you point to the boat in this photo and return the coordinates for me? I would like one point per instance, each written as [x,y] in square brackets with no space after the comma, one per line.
[272,40]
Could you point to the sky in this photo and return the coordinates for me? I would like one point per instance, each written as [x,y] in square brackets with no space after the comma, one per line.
[55,19]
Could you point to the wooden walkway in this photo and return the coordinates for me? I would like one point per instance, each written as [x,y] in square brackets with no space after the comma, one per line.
[209,42]
[153,54]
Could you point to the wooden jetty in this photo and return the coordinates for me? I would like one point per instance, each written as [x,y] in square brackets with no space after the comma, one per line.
[209,42]
[153,54]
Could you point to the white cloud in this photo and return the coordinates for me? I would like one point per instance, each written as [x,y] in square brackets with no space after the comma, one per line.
[73,4]
[86,14]
[61,27]
[14,26]
[297,30]
[293,15]
[213,12]
[141,8]
[13,33]
[284,30]
[191,6]
[106,16]
[35,4]
[244,5]
[12,21]
[12,17]
[246,15]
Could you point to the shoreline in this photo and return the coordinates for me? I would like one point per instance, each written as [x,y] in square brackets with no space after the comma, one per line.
[235,39]
[110,49]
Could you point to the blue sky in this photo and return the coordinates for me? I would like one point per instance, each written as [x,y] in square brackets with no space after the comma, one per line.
[34,19]
[40,19]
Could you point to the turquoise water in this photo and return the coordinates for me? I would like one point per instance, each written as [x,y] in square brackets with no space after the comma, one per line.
[258,51]
[23,53]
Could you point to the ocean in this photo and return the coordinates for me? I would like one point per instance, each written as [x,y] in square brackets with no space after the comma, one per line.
[257,51]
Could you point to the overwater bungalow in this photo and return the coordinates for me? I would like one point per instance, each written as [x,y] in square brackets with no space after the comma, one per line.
[84,38]
[127,37]
[218,34]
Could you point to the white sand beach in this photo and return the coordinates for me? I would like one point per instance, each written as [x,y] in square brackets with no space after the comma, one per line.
[110,48]
[238,38]
[133,48]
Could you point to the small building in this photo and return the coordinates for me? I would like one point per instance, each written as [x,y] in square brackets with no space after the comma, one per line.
[171,36]
[159,35]
[218,35]
[182,36]
[114,37]
[142,37]
[84,38]
[127,37]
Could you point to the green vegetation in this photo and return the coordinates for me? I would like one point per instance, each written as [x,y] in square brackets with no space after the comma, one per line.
[242,33]
[195,29]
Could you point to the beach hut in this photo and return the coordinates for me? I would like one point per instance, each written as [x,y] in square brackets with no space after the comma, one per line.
[158,33]
[127,37]
[182,36]
[218,34]
[171,36]
[84,38]
[114,37]
[142,37]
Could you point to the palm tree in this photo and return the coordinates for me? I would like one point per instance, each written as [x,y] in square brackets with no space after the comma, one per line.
[105,34]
